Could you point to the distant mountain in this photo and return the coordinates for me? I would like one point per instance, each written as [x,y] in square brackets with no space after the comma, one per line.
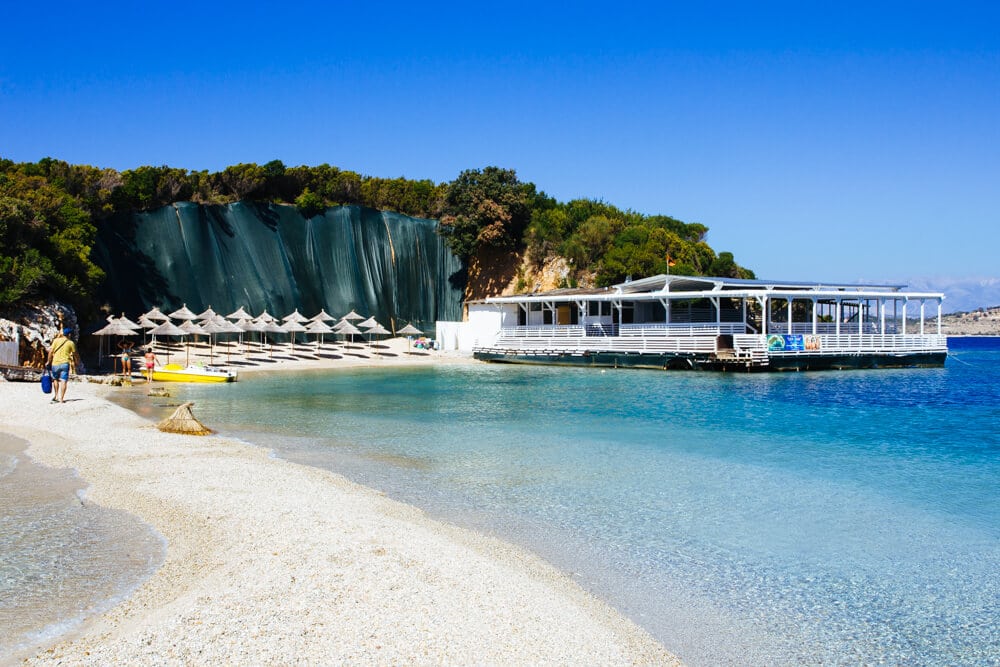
[961,294]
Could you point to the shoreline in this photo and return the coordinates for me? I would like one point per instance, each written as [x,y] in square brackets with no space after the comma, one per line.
[272,561]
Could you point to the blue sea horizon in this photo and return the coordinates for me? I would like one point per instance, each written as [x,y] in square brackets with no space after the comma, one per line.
[802,518]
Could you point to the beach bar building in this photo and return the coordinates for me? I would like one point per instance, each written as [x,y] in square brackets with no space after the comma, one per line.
[726,324]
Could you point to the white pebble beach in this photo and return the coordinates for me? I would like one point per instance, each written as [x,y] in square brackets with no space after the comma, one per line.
[271,562]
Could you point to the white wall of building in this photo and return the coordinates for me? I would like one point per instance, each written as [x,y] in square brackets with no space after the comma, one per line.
[8,353]
[482,328]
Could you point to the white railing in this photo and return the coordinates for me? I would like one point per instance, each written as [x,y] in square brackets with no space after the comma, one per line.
[645,329]
[544,331]
[704,344]
[851,344]
[682,329]
[826,328]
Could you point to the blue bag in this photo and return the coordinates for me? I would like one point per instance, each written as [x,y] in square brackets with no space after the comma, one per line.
[46,382]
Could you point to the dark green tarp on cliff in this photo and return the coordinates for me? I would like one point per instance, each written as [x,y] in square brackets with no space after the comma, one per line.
[259,256]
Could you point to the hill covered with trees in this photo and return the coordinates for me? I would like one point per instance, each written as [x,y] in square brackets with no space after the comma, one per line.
[49,211]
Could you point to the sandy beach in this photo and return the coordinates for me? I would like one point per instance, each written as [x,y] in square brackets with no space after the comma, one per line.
[270,562]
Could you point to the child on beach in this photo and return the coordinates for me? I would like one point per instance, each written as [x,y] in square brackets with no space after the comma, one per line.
[150,362]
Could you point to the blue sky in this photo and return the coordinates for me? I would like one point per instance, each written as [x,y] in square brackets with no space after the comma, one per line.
[827,141]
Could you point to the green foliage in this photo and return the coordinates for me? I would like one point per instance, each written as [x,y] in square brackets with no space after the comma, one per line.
[612,244]
[309,203]
[48,209]
[488,207]
[46,235]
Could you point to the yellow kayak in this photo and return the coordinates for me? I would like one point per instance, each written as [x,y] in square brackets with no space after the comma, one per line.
[178,373]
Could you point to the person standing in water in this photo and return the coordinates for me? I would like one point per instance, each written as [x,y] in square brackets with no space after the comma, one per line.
[150,362]
[62,360]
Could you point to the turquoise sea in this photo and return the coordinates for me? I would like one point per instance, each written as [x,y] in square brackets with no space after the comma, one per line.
[783,519]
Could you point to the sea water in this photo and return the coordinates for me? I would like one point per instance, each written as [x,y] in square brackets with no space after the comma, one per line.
[803,518]
[63,559]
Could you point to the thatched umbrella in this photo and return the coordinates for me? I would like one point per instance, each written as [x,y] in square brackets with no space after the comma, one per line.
[368,324]
[114,327]
[377,330]
[322,316]
[207,314]
[228,327]
[352,316]
[266,317]
[292,327]
[184,422]
[156,315]
[409,331]
[212,327]
[295,316]
[319,328]
[129,323]
[183,313]
[167,329]
[240,314]
[346,328]
[192,329]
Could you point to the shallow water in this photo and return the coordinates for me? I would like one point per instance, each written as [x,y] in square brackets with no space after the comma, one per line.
[62,559]
[819,518]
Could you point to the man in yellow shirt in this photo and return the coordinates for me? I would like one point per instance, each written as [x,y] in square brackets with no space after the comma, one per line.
[62,355]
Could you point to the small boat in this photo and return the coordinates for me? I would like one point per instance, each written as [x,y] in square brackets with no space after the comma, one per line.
[178,373]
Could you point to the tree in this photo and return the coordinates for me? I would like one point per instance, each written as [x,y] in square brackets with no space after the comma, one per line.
[486,208]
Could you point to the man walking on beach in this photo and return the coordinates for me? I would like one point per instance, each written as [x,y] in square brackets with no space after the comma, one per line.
[62,356]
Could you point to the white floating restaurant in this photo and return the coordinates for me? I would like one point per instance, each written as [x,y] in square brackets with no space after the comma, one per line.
[726,324]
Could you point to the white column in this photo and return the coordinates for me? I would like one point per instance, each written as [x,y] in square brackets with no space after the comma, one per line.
[789,316]
[840,311]
[763,315]
[814,315]
[921,317]
[939,317]
[743,300]
[881,314]
[905,303]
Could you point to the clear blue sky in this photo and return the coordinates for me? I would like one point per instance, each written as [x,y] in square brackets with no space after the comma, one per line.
[828,141]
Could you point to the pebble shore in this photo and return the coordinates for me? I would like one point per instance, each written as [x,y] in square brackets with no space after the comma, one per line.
[271,562]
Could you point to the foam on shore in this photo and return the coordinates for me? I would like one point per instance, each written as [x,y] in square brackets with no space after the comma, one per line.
[274,562]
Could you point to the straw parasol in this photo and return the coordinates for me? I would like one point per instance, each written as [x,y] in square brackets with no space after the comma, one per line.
[167,329]
[409,331]
[156,315]
[129,323]
[114,327]
[295,316]
[320,328]
[352,316]
[207,314]
[322,316]
[346,328]
[212,327]
[266,317]
[183,421]
[368,324]
[377,330]
[183,313]
[292,327]
[192,329]
[240,314]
